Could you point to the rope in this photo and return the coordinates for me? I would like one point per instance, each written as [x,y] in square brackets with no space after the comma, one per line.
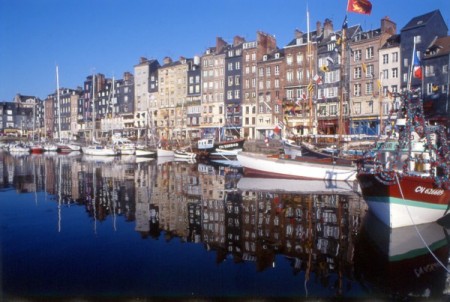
[417,230]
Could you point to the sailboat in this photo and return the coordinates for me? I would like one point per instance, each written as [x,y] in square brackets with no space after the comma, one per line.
[296,165]
[62,146]
[405,179]
[95,148]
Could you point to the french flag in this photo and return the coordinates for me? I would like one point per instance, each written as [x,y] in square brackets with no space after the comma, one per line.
[417,68]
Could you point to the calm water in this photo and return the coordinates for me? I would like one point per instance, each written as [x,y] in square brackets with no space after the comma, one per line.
[89,228]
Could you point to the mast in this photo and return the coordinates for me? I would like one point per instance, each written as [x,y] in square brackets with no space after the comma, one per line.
[58,103]
[310,73]
[93,108]
[341,130]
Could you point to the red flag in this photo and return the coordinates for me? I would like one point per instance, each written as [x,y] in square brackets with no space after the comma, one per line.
[359,6]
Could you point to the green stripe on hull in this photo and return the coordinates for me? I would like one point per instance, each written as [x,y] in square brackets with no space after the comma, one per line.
[407,202]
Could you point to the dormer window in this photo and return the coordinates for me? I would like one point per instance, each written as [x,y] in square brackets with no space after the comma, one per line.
[277,55]
[265,58]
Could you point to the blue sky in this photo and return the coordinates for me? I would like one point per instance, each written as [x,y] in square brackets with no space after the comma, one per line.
[109,36]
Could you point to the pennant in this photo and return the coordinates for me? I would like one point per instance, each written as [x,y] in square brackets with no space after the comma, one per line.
[318,79]
[324,68]
[276,129]
[345,23]
[359,6]
[417,69]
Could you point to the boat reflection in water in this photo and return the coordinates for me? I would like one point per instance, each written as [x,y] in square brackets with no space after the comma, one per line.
[202,231]
[407,262]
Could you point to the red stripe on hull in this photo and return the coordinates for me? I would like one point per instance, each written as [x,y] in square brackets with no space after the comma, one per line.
[422,189]
[257,173]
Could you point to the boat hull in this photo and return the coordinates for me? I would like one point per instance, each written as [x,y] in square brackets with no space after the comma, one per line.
[413,200]
[99,151]
[164,153]
[260,165]
[144,153]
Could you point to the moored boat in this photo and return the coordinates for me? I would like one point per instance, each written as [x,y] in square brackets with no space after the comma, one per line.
[210,148]
[261,165]
[98,150]
[405,179]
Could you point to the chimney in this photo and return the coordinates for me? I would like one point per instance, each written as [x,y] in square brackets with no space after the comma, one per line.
[298,34]
[167,60]
[182,59]
[388,26]
[127,76]
[327,28]
[318,28]
[142,60]
[220,44]
[238,40]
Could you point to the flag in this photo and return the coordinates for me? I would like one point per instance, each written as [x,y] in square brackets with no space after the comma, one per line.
[330,61]
[345,23]
[318,79]
[324,68]
[417,69]
[364,68]
[359,6]
[310,87]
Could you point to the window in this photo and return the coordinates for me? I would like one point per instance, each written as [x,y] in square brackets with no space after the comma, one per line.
[299,58]
[289,60]
[386,59]
[261,71]
[395,57]
[237,80]
[385,74]
[357,55]
[357,89]
[322,110]
[277,70]
[357,107]
[333,109]
[300,74]
[357,73]
[369,88]
[369,71]
[369,53]
[230,80]
[238,65]
[429,70]
[385,107]
[395,73]
[444,69]
[289,76]
[268,71]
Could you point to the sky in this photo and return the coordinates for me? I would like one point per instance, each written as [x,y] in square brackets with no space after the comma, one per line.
[84,37]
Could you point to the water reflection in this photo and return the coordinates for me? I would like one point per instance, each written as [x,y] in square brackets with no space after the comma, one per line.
[319,228]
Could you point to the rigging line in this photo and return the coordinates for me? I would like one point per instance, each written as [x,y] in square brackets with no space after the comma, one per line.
[417,230]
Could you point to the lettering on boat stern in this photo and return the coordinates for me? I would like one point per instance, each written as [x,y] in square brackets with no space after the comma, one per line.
[429,191]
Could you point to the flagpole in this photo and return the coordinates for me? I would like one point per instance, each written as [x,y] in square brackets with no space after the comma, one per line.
[411,68]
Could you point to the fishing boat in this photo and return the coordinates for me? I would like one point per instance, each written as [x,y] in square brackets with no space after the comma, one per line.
[99,150]
[209,147]
[261,165]
[36,148]
[405,178]
[181,153]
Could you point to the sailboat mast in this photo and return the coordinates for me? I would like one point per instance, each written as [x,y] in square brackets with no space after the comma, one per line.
[343,79]
[58,103]
[93,107]
[310,73]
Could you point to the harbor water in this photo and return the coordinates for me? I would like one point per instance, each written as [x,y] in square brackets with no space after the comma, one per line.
[121,228]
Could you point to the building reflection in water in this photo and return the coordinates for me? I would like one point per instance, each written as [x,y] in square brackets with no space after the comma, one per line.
[315,226]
